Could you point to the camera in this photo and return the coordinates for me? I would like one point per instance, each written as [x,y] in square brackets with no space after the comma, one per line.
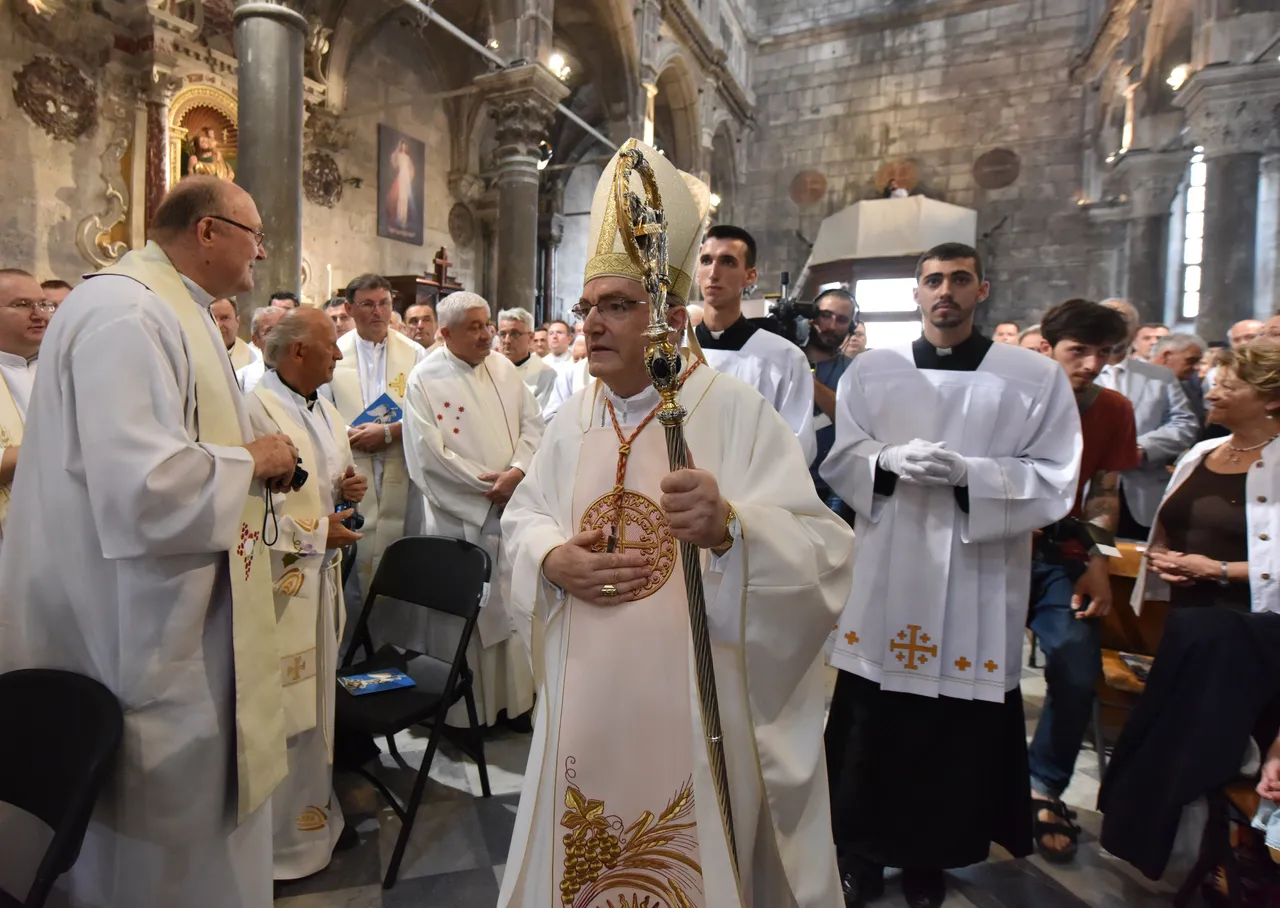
[789,317]
[355,522]
[299,477]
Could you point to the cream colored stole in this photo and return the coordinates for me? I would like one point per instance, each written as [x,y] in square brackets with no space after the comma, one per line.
[627,786]
[301,616]
[383,508]
[240,355]
[261,761]
[10,437]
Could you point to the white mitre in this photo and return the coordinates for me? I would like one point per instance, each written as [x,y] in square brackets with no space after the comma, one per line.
[686,201]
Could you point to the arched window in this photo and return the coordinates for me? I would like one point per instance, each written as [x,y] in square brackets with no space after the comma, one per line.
[1193,244]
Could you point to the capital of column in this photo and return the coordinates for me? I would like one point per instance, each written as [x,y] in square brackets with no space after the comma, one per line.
[1232,109]
[523,101]
[290,12]
[1152,179]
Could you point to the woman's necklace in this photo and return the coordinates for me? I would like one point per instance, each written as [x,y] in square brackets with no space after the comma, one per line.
[1233,453]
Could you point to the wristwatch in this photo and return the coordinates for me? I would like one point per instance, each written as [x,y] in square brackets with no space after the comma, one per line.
[1224,580]
[386,432]
[730,531]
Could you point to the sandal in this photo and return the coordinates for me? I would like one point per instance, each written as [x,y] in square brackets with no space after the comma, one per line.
[1063,824]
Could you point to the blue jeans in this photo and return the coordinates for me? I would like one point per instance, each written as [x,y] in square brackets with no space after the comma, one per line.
[1073,659]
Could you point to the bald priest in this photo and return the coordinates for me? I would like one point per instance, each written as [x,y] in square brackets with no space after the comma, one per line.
[618,802]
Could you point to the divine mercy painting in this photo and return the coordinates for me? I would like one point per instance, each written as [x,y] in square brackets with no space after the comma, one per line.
[401,161]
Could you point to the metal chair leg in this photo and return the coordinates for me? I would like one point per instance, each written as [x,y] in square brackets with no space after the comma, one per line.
[1099,741]
[477,735]
[411,810]
[1031,660]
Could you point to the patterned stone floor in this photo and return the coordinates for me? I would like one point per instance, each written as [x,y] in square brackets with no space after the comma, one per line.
[459,844]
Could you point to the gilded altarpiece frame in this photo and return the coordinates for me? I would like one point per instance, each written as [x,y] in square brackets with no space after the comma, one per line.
[212,106]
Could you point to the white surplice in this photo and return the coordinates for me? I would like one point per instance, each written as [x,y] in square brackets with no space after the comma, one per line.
[121,573]
[242,354]
[939,606]
[773,366]
[460,422]
[540,378]
[570,379]
[556,360]
[771,602]
[17,375]
[249,376]
[309,608]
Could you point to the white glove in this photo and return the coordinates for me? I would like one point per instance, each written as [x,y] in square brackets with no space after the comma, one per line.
[917,461]
[957,467]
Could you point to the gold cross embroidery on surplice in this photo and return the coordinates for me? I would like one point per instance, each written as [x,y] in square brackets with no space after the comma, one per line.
[293,671]
[397,385]
[911,649]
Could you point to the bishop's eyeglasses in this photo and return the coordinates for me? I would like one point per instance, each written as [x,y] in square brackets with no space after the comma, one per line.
[612,310]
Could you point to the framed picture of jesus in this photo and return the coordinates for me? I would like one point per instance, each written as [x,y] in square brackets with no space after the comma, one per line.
[401,161]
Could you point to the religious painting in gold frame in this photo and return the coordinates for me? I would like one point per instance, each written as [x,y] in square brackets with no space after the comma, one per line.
[203,133]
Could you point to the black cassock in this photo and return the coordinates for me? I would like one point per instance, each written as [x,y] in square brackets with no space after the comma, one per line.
[919,782]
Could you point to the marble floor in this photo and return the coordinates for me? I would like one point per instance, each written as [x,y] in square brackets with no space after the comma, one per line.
[459,844]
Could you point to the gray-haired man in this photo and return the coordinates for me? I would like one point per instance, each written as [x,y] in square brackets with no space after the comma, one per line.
[1182,354]
[515,331]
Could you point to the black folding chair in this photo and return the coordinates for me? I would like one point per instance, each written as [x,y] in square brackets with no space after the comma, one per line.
[443,575]
[60,732]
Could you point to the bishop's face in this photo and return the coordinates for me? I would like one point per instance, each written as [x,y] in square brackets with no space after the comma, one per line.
[617,316]
[948,292]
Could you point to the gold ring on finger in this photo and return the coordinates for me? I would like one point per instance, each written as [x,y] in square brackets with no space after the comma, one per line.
[609,590]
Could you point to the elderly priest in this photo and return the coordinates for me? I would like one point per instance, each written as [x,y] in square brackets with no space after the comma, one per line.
[141,561]
[24,316]
[306,538]
[471,429]
[618,798]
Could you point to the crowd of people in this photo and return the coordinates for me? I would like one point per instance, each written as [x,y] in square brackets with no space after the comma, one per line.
[205,489]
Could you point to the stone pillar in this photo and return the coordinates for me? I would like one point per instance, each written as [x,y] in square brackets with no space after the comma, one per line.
[1267,279]
[1152,180]
[550,233]
[1231,113]
[269,46]
[523,101]
[156,181]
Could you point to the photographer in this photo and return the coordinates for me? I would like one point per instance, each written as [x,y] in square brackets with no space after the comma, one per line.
[828,330]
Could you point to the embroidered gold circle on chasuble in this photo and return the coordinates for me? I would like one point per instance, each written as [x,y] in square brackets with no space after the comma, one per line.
[644,530]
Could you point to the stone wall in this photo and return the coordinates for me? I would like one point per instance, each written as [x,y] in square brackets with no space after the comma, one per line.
[389,86]
[571,257]
[936,82]
[47,185]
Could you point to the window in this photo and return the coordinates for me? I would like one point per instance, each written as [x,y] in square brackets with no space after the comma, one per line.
[1193,245]
[888,309]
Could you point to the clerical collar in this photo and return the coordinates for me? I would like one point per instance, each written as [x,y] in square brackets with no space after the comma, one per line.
[630,410]
[373,345]
[734,337]
[965,356]
[523,361]
[308,399]
[198,293]
[14,361]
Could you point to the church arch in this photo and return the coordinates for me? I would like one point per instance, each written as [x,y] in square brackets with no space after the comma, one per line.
[676,117]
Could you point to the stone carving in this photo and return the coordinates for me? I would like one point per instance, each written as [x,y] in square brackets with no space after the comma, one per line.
[521,124]
[61,100]
[71,26]
[318,51]
[997,168]
[321,179]
[466,187]
[807,187]
[462,224]
[322,130]
[93,230]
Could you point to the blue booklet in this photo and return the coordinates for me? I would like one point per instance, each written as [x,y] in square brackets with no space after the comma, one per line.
[382,411]
[372,682]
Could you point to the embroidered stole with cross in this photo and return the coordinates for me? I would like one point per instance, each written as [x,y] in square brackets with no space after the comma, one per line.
[10,437]
[384,505]
[261,761]
[297,577]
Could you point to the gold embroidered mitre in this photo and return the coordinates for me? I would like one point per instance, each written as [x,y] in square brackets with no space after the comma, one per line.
[685,200]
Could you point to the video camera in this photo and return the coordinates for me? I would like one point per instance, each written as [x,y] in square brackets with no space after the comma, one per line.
[789,317]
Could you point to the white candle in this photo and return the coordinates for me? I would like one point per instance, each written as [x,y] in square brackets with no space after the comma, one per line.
[329,293]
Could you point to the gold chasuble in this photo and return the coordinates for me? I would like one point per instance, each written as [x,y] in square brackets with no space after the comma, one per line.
[10,437]
[385,503]
[260,736]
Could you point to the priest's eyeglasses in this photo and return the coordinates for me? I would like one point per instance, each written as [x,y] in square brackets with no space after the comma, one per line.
[30,306]
[259,236]
[612,310]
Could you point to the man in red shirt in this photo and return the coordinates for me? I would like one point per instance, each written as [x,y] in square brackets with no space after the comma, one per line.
[1070,574]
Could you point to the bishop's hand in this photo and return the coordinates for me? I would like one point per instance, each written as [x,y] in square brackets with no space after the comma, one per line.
[695,511]
[583,573]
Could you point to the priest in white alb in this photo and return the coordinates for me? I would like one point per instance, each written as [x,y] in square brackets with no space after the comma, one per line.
[618,803]
[141,561]
[471,430]
[951,450]
[227,319]
[376,361]
[306,540]
[24,316]
[515,334]
[264,319]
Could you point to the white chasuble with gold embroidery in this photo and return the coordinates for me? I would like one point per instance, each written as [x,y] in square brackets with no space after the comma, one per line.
[392,507]
[134,461]
[615,684]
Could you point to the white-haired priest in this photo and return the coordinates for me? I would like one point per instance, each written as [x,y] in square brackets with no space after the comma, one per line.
[306,539]
[515,332]
[471,430]
[618,797]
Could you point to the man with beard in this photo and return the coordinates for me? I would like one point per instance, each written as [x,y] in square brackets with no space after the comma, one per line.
[951,450]
[827,332]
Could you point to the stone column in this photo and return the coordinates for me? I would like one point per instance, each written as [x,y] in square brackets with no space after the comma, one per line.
[269,46]
[550,233]
[1152,181]
[1267,279]
[158,96]
[1231,113]
[523,101]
